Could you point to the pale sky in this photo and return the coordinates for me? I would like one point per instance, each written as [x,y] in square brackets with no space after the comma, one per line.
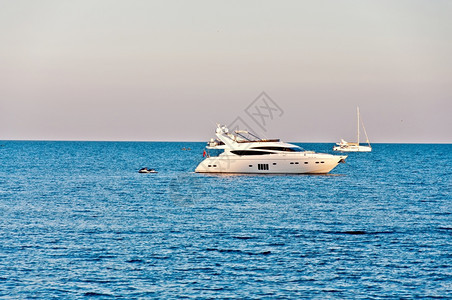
[169,70]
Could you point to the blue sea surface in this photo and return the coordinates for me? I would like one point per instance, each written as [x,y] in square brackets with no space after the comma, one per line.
[79,221]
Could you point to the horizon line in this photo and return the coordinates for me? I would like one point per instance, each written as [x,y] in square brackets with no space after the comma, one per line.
[186,141]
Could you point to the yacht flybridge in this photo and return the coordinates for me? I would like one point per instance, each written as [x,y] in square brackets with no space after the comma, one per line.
[243,152]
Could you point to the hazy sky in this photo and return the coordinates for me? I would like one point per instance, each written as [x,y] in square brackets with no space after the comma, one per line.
[169,70]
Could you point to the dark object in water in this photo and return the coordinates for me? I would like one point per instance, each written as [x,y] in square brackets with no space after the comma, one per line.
[146,170]
[355,232]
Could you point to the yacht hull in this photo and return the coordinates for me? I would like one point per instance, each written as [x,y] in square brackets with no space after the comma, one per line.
[271,164]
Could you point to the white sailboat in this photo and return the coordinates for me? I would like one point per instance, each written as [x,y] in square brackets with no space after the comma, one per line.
[345,146]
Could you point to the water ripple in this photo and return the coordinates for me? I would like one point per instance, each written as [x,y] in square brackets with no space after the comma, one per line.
[379,227]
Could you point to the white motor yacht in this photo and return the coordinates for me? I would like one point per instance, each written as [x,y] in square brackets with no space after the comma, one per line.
[243,152]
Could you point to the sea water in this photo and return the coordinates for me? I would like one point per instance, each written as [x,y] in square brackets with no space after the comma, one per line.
[77,220]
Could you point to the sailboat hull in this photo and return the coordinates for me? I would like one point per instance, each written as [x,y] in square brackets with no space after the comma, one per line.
[349,148]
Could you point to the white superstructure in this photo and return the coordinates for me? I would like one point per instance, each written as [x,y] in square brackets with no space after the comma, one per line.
[243,152]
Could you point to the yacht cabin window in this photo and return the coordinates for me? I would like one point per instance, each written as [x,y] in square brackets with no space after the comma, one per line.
[250,152]
[277,148]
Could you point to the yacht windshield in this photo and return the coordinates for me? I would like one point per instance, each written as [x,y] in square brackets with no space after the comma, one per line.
[276,148]
[243,135]
[250,152]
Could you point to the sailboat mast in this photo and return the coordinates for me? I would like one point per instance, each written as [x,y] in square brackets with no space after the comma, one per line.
[357,113]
